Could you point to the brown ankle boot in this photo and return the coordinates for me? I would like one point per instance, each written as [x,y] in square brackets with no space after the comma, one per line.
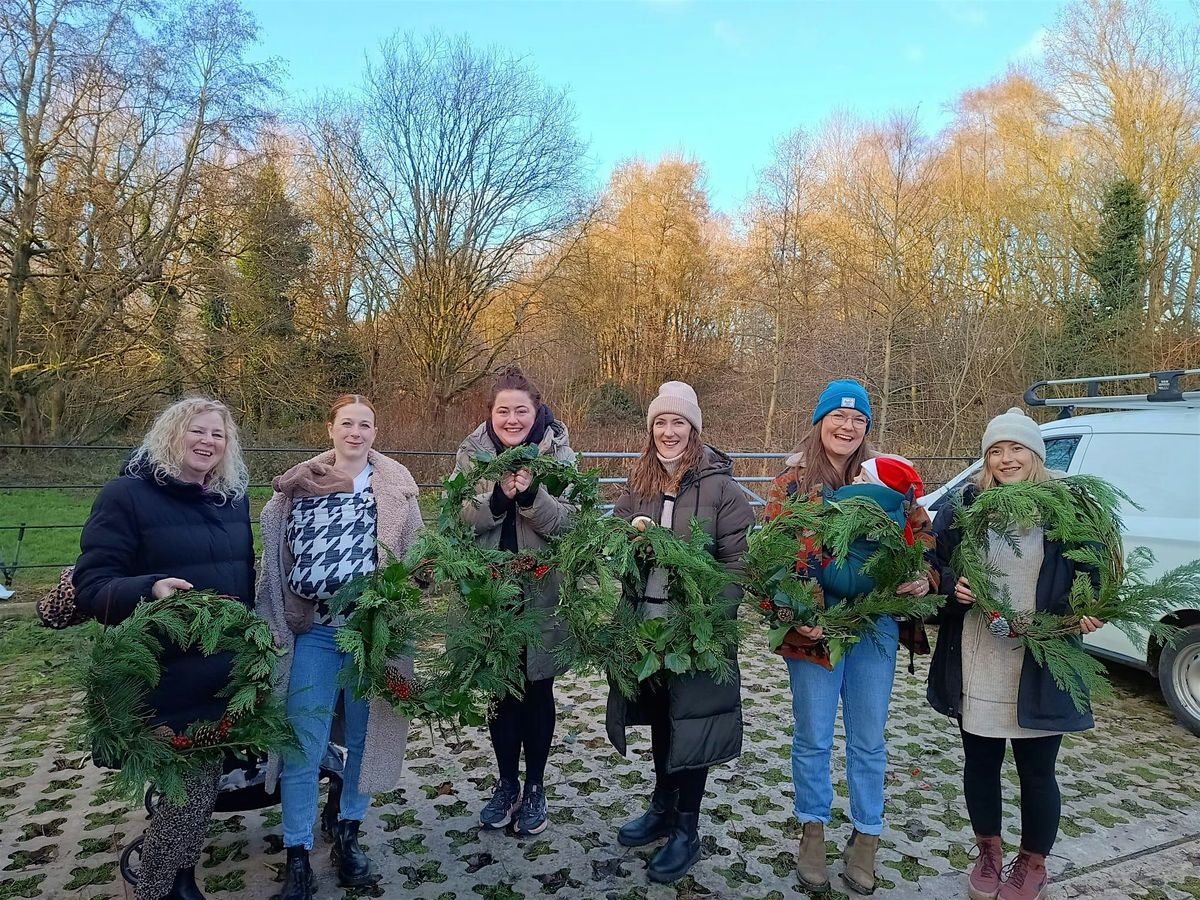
[984,881]
[1024,878]
[810,858]
[859,857]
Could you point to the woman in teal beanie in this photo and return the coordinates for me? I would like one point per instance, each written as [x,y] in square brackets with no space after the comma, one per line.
[830,457]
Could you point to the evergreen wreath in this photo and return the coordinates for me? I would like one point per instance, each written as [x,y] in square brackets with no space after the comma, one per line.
[387,617]
[812,531]
[599,560]
[604,560]
[1082,513]
[489,626]
[123,666]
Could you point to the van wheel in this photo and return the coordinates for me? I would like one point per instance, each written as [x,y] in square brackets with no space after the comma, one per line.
[1179,677]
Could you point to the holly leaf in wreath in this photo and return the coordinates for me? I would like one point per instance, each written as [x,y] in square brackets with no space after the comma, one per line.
[837,649]
[649,665]
[553,483]
[679,663]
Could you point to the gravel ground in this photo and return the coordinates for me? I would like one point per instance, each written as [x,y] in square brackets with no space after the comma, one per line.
[1131,810]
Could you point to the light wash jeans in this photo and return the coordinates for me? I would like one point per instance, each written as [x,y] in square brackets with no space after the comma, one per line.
[312,698]
[862,680]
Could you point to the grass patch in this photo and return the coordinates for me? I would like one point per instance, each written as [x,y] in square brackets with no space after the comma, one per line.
[58,547]
[34,658]
[11,888]
[84,876]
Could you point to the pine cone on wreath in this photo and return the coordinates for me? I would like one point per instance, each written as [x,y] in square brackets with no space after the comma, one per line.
[522,564]
[785,615]
[998,625]
[1020,623]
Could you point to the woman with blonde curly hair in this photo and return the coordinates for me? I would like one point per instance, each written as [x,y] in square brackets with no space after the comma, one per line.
[177,518]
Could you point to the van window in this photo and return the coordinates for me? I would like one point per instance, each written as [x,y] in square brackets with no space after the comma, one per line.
[1060,450]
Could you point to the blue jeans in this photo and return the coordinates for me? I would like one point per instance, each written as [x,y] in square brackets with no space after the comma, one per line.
[312,698]
[862,679]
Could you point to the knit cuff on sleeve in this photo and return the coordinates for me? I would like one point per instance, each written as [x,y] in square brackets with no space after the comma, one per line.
[499,503]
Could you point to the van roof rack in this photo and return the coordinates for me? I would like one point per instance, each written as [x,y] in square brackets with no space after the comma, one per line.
[1166,391]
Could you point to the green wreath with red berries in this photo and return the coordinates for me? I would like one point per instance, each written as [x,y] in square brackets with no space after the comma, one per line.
[810,531]
[124,665]
[388,619]
[478,621]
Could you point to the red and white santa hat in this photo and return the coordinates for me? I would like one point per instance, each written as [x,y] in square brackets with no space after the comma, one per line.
[895,472]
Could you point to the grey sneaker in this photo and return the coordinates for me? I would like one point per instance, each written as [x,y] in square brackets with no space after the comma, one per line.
[506,800]
[532,817]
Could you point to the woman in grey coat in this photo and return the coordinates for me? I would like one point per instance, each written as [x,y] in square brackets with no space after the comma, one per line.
[516,513]
[695,722]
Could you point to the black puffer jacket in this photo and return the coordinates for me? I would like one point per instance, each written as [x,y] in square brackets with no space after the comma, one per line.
[1041,703]
[706,717]
[141,530]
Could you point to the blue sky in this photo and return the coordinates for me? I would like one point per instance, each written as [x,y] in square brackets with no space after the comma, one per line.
[717,81]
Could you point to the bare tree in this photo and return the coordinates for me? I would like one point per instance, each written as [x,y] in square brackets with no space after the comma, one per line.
[474,169]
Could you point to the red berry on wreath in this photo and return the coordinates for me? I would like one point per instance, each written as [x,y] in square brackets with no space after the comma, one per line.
[181,742]
[541,571]
[765,604]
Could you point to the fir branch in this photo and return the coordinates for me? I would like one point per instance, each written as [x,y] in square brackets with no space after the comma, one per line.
[1082,513]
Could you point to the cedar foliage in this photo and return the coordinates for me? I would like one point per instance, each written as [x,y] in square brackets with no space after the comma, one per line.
[813,532]
[124,664]
[1082,513]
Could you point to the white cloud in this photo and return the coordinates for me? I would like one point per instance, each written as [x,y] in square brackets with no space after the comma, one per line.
[1034,47]
[965,12]
[729,34]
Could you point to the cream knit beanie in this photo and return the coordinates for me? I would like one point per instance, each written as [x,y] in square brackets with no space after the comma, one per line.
[678,398]
[1015,426]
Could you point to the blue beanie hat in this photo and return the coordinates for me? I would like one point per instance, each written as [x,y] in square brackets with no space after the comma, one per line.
[844,393]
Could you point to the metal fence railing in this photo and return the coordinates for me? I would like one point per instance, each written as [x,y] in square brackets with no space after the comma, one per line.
[428,467]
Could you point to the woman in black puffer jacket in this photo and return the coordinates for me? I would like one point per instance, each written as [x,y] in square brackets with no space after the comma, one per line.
[177,518]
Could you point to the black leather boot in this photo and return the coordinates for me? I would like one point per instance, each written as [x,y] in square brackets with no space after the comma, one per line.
[654,823]
[680,851]
[298,880]
[185,886]
[353,867]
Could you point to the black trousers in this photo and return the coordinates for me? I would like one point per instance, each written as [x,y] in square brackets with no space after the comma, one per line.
[527,722]
[1041,803]
[691,782]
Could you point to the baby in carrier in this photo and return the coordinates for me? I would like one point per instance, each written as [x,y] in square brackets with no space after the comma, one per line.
[893,483]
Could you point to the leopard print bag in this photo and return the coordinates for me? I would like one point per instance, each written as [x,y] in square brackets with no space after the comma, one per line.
[57,609]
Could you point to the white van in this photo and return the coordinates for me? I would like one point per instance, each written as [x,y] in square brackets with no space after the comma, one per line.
[1150,449]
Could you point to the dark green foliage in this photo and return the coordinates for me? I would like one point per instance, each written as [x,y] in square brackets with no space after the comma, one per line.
[805,531]
[1094,333]
[489,626]
[1080,512]
[607,561]
[599,560]
[124,665]
[614,404]
[1117,263]
[389,619]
